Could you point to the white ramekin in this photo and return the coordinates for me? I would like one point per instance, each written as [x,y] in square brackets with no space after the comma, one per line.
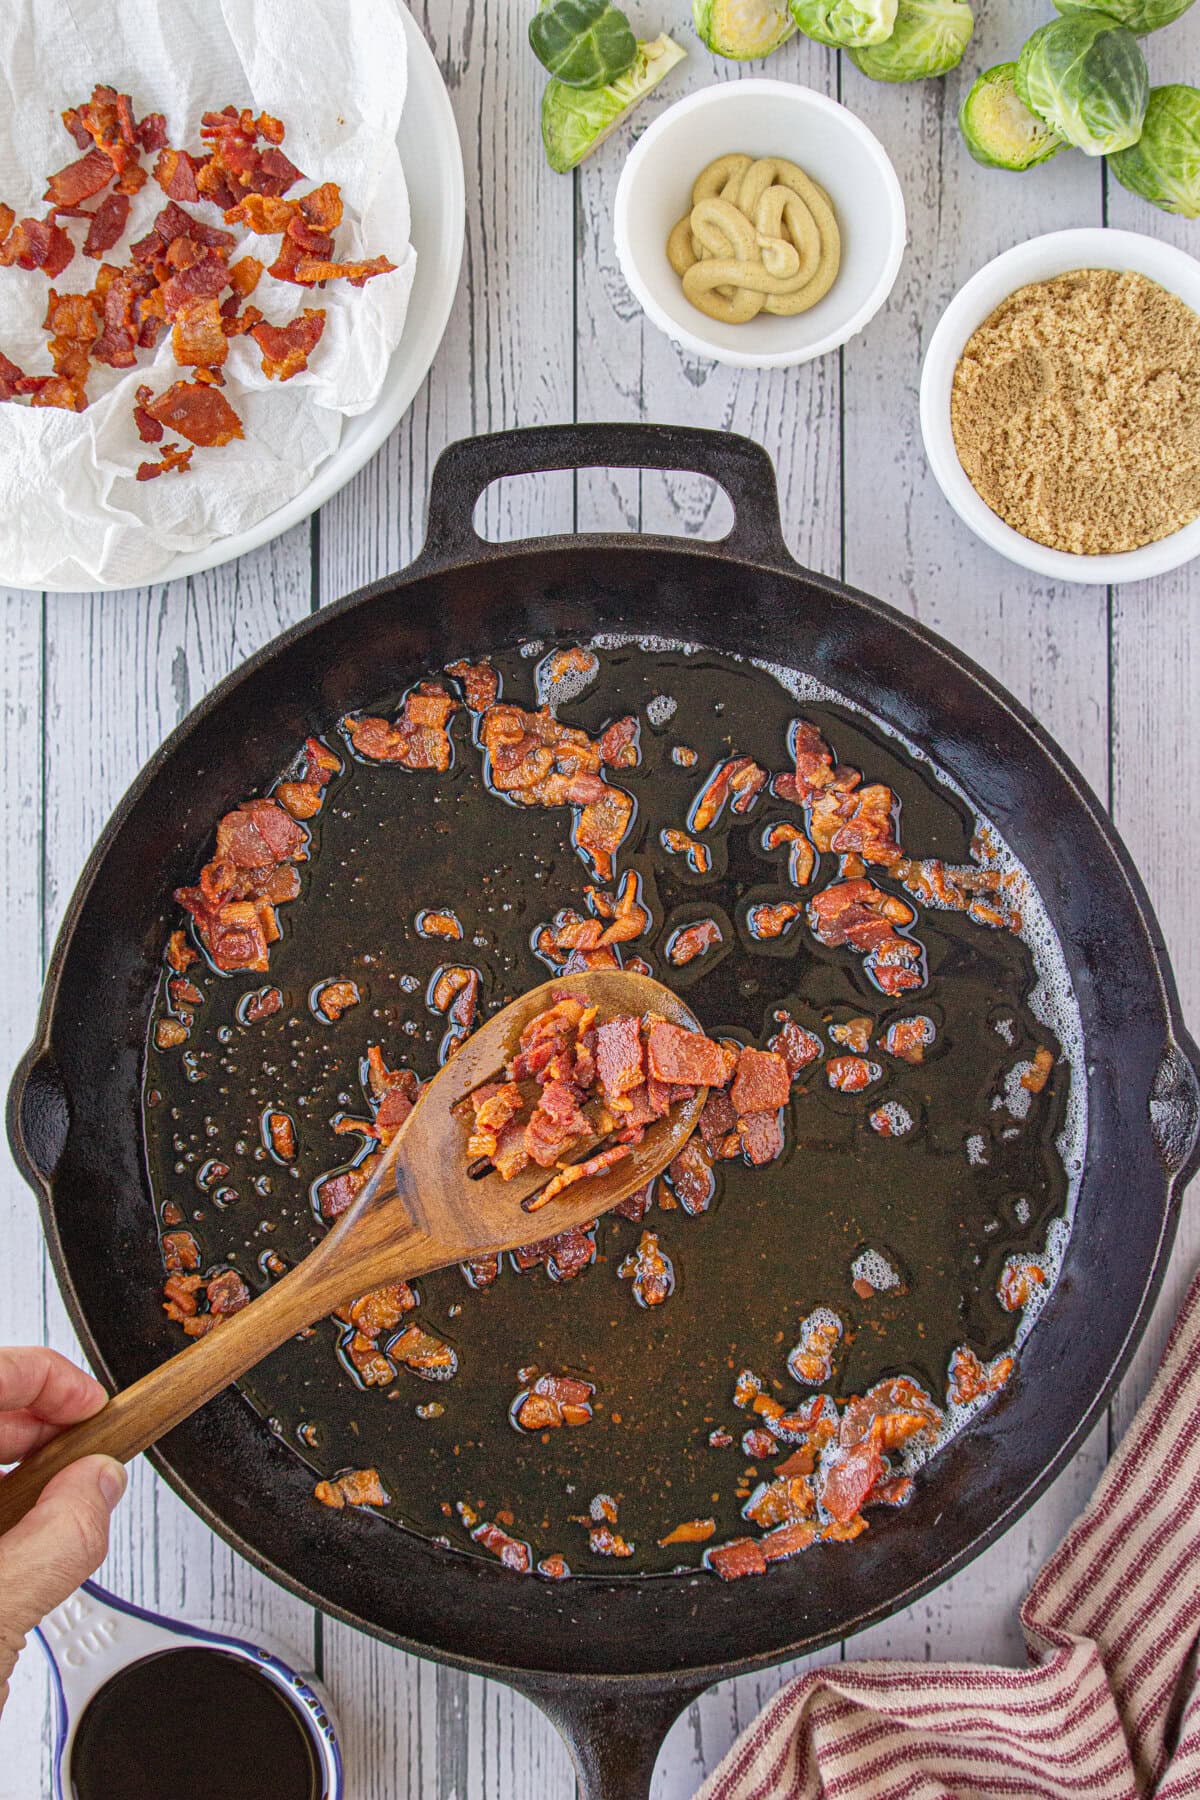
[1090,247]
[762,118]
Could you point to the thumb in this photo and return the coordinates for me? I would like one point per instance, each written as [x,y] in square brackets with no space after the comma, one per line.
[62,1539]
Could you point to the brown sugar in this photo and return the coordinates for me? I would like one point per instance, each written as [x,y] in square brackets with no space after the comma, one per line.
[1076,411]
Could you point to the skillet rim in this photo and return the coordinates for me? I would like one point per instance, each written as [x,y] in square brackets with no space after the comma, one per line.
[431,563]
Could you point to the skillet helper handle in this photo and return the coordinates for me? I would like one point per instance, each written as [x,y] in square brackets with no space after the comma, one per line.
[743,468]
[139,1415]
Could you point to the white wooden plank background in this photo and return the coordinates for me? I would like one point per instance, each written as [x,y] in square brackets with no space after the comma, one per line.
[91,684]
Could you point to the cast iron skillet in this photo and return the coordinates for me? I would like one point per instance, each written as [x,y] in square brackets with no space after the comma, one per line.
[612,1662]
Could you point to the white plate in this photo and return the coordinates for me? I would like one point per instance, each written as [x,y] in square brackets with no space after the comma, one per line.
[433,169]
[1088,247]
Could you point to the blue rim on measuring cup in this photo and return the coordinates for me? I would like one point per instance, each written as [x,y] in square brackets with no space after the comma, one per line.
[69,1626]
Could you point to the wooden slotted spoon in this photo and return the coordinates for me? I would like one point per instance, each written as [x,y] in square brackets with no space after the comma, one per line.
[419,1211]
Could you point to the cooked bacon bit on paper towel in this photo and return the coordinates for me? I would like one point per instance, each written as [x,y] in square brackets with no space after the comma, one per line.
[179,274]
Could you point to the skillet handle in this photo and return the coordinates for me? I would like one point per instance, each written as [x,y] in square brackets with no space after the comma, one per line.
[614,1729]
[741,467]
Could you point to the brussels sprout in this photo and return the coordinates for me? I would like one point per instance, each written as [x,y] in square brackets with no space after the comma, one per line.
[928,38]
[742,29]
[1086,78]
[846,24]
[576,120]
[584,43]
[1138,16]
[999,128]
[1164,164]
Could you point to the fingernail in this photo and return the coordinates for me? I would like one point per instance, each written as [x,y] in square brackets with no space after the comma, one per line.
[112,1479]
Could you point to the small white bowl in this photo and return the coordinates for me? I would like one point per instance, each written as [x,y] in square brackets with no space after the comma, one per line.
[762,118]
[1090,247]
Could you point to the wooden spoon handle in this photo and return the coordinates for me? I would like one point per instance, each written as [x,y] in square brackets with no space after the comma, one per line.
[141,1414]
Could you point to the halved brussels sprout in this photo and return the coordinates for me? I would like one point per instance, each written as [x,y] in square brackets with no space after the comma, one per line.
[999,128]
[584,43]
[1086,78]
[846,24]
[1138,16]
[1164,165]
[576,120]
[928,38]
[742,29]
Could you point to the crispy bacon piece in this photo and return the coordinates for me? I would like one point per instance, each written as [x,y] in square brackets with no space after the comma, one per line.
[1034,1079]
[620,1056]
[381,1309]
[635,1206]
[10,378]
[1017,1283]
[151,133]
[678,1056]
[801,856]
[891,1412]
[969,1378]
[353,1487]
[620,746]
[811,1362]
[511,1551]
[180,1252]
[553,1401]
[281,1136]
[286,348]
[310,270]
[761,1136]
[679,843]
[692,1531]
[563,1256]
[334,998]
[300,798]
[767,920]
[852,1034]
[692,941]
[740,777]
[265,214]
[786,1500]
[909,1039]
[537,761]
[650,1270]
[79,180]
[626,915]
[762,1082]
[198,335]
[595,1165]
[175,172]
[180,954]
[718,1126]
[427,1356]
[850,1074]
[337,1193]
[419,738]
[107,225]
[37,244]
[861,915]
[481,684]
[739,1557]
[797,1047]
[848,1478]
[691,1178]
[198,413]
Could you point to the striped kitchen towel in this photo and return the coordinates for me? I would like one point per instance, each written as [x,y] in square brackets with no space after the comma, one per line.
[1109,1708]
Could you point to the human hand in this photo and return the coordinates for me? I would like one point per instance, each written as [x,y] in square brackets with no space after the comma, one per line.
[64,1537]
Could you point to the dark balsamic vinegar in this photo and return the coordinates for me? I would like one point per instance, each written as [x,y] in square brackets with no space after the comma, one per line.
[199,1722]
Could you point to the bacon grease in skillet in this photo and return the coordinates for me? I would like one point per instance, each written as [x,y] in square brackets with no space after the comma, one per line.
[896,1039]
